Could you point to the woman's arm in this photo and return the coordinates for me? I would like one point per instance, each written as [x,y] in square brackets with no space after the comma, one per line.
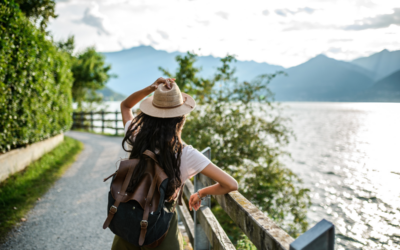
[225,184]
[133,99]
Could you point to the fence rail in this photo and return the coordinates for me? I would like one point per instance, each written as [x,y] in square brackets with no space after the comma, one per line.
[203,229]
[259,228]
[88,120]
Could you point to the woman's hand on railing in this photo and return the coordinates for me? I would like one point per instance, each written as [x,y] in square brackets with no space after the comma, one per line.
[195,201]
[225,184]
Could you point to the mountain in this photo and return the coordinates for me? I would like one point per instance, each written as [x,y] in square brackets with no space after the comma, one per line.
[382,64]
[138,67]
[385,90]
[110,95]
[321,79]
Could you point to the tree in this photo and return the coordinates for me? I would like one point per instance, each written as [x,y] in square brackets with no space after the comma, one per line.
[39,11]
[187,80]
[242,125]
[89,70]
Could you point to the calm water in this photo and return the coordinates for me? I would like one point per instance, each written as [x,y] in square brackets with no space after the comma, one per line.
[348,154]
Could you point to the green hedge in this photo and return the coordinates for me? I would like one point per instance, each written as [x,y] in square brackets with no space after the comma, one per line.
[35,82]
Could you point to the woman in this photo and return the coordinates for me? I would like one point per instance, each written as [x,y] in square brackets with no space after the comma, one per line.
[158,128]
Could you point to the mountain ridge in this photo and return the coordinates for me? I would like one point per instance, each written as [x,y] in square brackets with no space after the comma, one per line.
[319,79]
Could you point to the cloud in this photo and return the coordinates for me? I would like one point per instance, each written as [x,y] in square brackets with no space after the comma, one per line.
[308,10]
[152,41]
[377,22]
[205,22]
[163,34]
[265,12]
[280,12]
[307,26]
[94,18]
[339,40]
[334,50]
[222,14]
[285,12]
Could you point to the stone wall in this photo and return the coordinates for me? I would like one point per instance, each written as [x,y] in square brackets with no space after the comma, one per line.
[17,159]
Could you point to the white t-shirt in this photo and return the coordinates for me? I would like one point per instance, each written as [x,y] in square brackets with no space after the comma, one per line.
[192,161]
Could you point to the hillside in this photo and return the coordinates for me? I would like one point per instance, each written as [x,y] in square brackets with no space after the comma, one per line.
[110,95]
[382,64]
[385,90]
[138,67]
[321,79]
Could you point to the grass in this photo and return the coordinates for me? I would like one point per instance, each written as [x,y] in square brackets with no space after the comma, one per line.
[20,191]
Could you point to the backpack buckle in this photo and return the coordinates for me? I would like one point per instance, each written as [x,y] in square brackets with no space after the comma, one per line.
[143,224]
[113,209]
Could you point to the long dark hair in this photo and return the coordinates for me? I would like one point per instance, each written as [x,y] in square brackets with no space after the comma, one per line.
[147,132]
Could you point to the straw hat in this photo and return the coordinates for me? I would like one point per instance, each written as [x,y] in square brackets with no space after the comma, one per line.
[166,103]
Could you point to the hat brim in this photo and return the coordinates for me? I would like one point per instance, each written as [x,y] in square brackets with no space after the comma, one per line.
[147,107]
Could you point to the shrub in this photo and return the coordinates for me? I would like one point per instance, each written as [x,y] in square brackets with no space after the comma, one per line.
[35,82]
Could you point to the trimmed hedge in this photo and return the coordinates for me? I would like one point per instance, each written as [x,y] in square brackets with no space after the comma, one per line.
[35,82]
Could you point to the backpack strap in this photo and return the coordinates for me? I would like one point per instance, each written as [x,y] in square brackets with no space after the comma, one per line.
[114,208]
[149,198]
[105,179]
[151,155]
[146,212]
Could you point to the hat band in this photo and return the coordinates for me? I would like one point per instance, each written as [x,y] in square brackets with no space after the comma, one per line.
[171,107]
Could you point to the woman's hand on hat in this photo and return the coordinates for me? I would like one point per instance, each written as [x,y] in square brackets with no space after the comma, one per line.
[167,81]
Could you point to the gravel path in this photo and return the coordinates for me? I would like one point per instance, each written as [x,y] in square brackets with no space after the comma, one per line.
[71,214]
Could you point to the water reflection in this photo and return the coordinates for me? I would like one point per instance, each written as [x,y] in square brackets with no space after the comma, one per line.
[348,155]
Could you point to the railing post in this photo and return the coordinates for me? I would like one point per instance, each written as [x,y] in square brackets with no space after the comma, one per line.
[102,121]
[116,122]
[73,120]
[81,121]
[91,120]
[200,239]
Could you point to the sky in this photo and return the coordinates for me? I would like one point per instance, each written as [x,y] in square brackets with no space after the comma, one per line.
[284,32]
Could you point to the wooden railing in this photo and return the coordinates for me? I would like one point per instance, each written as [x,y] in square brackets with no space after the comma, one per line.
[88,121]
[204,230]
[207,233]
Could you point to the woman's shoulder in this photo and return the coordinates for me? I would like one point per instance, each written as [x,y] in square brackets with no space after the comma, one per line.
[189,153]
[192,161]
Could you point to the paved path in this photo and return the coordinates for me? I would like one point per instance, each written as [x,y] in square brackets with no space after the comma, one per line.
[71,214]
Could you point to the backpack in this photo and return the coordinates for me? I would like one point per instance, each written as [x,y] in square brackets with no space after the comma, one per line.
[142,217]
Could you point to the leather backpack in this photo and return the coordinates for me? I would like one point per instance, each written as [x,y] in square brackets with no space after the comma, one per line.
[142,217]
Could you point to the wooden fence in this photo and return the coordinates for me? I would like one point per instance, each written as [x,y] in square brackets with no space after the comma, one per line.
[205,232]
[203,228]
[88,120]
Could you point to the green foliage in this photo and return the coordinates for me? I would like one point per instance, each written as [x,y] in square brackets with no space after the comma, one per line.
[187,80]
[245,244]
[38,10]
[242,125]
[22,189]
[35,82]
[90,73]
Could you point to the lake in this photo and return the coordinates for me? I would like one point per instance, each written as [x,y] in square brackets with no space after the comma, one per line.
[348,155]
